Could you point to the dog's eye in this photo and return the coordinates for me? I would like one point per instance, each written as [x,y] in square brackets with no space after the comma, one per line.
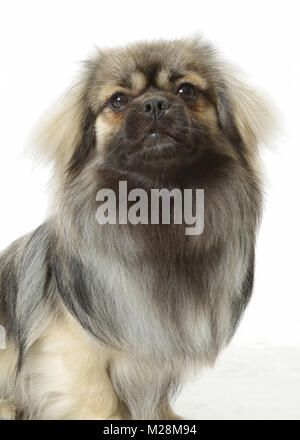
[187,91]
[118,101]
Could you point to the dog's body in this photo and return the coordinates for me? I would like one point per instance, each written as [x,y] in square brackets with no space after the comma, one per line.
[107,321]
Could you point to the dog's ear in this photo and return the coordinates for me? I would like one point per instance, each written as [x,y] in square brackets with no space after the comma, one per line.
[226,119]
[244,114]
[65,134]
[59,130]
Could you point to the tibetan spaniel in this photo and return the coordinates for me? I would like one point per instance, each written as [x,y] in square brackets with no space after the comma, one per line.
[107,321]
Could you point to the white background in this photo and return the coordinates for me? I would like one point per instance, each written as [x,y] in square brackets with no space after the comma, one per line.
[41,45]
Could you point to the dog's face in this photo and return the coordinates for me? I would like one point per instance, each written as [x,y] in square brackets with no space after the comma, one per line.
[155,109]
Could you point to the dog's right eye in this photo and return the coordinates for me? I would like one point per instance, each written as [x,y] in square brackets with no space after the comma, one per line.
[118,101]
[187,91]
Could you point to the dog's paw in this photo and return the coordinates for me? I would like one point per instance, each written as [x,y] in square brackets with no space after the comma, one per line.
[172,415]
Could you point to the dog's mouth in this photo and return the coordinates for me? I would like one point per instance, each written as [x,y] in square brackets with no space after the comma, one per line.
[153,150]
[158,142]
[158,149]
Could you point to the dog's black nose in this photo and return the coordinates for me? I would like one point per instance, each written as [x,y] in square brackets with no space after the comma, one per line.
[155,107]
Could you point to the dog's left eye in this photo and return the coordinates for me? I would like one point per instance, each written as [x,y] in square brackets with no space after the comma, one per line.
[118,101]
[187,91]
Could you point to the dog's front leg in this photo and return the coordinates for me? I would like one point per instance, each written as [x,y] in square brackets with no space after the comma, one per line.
[146,386]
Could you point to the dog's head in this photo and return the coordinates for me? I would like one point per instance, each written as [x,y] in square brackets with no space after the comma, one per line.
[154,109]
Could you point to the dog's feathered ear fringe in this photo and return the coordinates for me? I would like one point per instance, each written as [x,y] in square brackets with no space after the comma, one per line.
[59,130]
[253,113]
[243,110]
[65,135]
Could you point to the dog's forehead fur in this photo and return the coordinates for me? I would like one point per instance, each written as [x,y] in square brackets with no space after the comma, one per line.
[145,64]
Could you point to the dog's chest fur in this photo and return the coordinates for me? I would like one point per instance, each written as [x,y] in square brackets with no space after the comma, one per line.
[158,294]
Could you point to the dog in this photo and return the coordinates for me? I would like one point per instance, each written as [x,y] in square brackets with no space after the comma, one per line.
[108,321]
